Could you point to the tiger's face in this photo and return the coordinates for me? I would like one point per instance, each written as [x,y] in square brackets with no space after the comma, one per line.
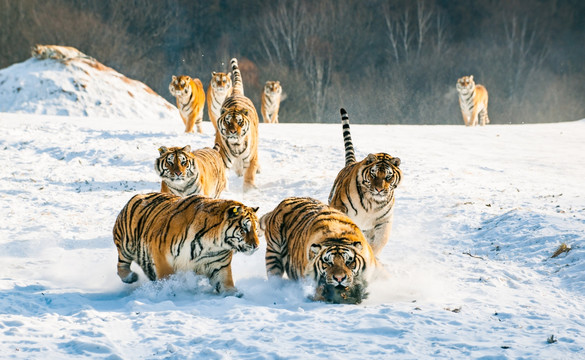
[233,125]
[241,229]
[272,88]
[337,265]
[221,82]
[174,164]
[180,86]
[465,85]
[380,175]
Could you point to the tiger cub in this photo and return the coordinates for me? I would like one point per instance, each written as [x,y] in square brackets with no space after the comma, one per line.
[190,100]
[364,190]
[271,101]
[237,131]
[56,52]
[165,234]
[307,239]
[185,173]
[473,101]
[219,88]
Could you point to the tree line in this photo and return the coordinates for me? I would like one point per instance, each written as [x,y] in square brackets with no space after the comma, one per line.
[386,62]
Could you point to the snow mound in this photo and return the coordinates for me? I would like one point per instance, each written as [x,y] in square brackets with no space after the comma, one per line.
[60,80]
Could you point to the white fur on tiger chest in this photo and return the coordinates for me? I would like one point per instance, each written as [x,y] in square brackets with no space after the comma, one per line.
[368,220]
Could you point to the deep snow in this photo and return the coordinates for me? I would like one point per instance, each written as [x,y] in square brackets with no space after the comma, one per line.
[478,216]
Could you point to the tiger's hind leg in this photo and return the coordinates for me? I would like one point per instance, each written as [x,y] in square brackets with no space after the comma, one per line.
[276,254]
[484,117]
[126,275]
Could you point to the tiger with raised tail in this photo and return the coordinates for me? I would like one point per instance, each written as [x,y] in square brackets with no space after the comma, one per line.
[165,234]
[190,101]
[237,131]
[271,97]
[364,190]
[473,101]
[184,172]
[219,88]
[306,239]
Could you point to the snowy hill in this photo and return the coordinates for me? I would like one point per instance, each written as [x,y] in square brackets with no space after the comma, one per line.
[478,217]
[77,85]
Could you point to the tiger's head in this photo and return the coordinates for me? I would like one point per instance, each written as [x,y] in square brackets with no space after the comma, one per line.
[221,83]
[240,229]
[233,124]
[465,85]
[174,164]
[272,88]
[180,86]
[340,263]
[380,175]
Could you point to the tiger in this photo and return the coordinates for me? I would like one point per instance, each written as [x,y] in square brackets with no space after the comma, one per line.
[473,101]
[219,88]
[190,100]
[271,97]
[364,190]
[185,173]
[309,240]
[237,131]
[165,234]
[56,52]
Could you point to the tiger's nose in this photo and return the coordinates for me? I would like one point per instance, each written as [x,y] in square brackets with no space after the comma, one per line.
[178,173]
[340,278]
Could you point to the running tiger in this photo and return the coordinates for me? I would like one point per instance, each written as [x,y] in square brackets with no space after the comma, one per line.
[219,88]
[271,97]
[473,101]
[185,173]
[165,234]
[190,101]
[237,132]
[307,239]
[365,190]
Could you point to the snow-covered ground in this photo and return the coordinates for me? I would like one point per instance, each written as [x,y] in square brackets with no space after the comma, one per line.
[478,216]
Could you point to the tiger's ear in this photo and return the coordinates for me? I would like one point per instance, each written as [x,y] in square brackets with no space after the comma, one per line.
[395,161]
[187,148]
[230,75]
[371,158]
[470,77]
[213,74]
[358,245]
[234,211]
[162,150]
[314,250]
[223,110]
[174,78]
[255,209]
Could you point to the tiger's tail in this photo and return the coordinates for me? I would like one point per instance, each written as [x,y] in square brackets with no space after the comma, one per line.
[349,151]
[238,86]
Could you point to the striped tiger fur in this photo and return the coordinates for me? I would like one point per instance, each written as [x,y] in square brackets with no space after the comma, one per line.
[185,173]
[165,234]
[473,101]
[220,87]
[237,132]
[364,190]
[307,239]
[270,104]
[190,101]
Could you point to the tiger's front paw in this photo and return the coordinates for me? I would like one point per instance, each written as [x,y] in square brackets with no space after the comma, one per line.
[130,278]
[249,186]
[232,292]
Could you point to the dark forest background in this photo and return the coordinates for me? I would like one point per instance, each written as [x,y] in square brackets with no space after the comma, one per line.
[387,62]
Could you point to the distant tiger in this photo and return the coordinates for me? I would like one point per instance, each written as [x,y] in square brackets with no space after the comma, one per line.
[473,101]
[190,100]
[219,88]
[56,52]
[364,190]
[306,239]
[185,173]
[238,131]
[165,234]
[271,97]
